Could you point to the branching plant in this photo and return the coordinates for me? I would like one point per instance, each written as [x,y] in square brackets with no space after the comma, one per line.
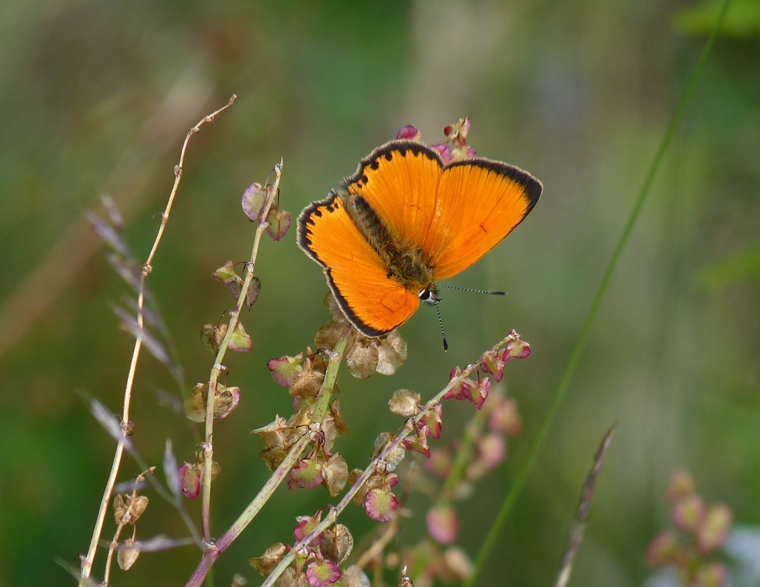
[301,450]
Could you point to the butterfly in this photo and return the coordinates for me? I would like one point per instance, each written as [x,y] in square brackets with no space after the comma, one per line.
[406,219]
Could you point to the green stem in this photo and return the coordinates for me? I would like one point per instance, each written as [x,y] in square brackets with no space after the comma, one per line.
[464,454]
[580,346]
[331,377]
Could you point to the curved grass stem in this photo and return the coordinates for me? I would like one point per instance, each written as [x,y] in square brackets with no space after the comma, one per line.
[580,346]
[87,561]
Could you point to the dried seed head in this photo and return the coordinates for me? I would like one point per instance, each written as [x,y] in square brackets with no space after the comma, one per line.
[212,336]
[394,457]
[254,199]
[353,576]
[335,474]
[127,554]
[128,509]
[336,543]
[306,384]
[337,413]
[392,352]
[360,495]
[279,223]
[362,358]
[225,401]
[275,434]
[272,556]
[329,333]
[405,402]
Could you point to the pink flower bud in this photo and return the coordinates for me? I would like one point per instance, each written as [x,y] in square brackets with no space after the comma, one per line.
[663,550]
[443,524]
[322,573]
[409,133]
[381,504]
[688,514]
[190,480]
[713,532]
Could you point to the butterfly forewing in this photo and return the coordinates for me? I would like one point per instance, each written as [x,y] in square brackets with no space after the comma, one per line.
[400,182]
[480,203]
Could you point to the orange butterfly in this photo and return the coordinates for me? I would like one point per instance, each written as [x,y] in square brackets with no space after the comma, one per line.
[404,220]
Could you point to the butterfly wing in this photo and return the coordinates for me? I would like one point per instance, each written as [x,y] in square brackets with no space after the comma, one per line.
[479,202]
[356,274]
[400,181]
[453,214]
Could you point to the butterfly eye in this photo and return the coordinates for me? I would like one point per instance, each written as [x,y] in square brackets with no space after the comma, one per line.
[428,295]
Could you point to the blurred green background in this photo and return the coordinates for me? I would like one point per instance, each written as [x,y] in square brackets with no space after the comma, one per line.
[96,97]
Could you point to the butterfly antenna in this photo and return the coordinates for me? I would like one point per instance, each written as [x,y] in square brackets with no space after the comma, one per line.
[440,323]
[482,291]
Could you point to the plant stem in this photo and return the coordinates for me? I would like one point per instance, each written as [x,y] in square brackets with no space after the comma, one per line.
[214,550]
[87,562]
[410,426]
[208,450]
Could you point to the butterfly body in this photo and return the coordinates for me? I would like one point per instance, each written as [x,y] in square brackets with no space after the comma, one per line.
[404,220]
[405,263]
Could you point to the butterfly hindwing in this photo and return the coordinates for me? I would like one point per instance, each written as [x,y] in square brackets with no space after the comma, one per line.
[355,272]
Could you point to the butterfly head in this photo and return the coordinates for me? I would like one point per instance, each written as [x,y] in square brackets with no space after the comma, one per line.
[429,295]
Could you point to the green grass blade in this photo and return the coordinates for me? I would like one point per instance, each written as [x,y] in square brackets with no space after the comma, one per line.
[580,346]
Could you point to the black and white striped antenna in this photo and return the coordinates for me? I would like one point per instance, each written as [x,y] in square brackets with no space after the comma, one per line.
[440,323]
[470,289]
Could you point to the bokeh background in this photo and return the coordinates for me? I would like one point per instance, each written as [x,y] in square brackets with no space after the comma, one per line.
[96,97]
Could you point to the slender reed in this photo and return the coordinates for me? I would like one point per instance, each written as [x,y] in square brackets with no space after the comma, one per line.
[89,559]
[580,346]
